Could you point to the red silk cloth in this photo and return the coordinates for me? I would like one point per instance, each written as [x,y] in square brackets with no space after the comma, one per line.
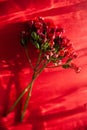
[59,97]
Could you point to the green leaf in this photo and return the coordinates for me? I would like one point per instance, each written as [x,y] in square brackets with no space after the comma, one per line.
[65,66]
[68,60]
[34,36]
[60,57]
[36,44]
[45,46]
[57,48]
[24,41]
[35,39]
[54,59]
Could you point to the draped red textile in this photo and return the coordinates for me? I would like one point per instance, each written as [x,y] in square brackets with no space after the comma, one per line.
[59,97]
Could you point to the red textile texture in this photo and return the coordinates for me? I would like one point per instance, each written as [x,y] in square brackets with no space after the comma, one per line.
[59,97]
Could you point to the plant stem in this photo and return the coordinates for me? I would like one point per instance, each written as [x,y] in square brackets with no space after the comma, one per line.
[35,75]
[28,96]
[31,85]
[29,60]
[19,98]
[37,70]
[45,64]
[38,61]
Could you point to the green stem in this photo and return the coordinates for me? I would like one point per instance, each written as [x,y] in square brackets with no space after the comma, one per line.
[19,98]
[29,60]
[37,72]
[38,61]
[28,96]
[35,75]
[44,66]
[31,84]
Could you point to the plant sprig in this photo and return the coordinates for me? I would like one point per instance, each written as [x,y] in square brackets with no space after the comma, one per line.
[53,48]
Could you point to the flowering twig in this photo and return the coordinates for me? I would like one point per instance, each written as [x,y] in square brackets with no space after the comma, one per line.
[53,48]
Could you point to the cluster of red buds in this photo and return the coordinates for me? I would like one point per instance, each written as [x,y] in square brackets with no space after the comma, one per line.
[49,39]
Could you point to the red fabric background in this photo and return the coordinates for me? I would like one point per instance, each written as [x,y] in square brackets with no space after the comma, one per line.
[59,97]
